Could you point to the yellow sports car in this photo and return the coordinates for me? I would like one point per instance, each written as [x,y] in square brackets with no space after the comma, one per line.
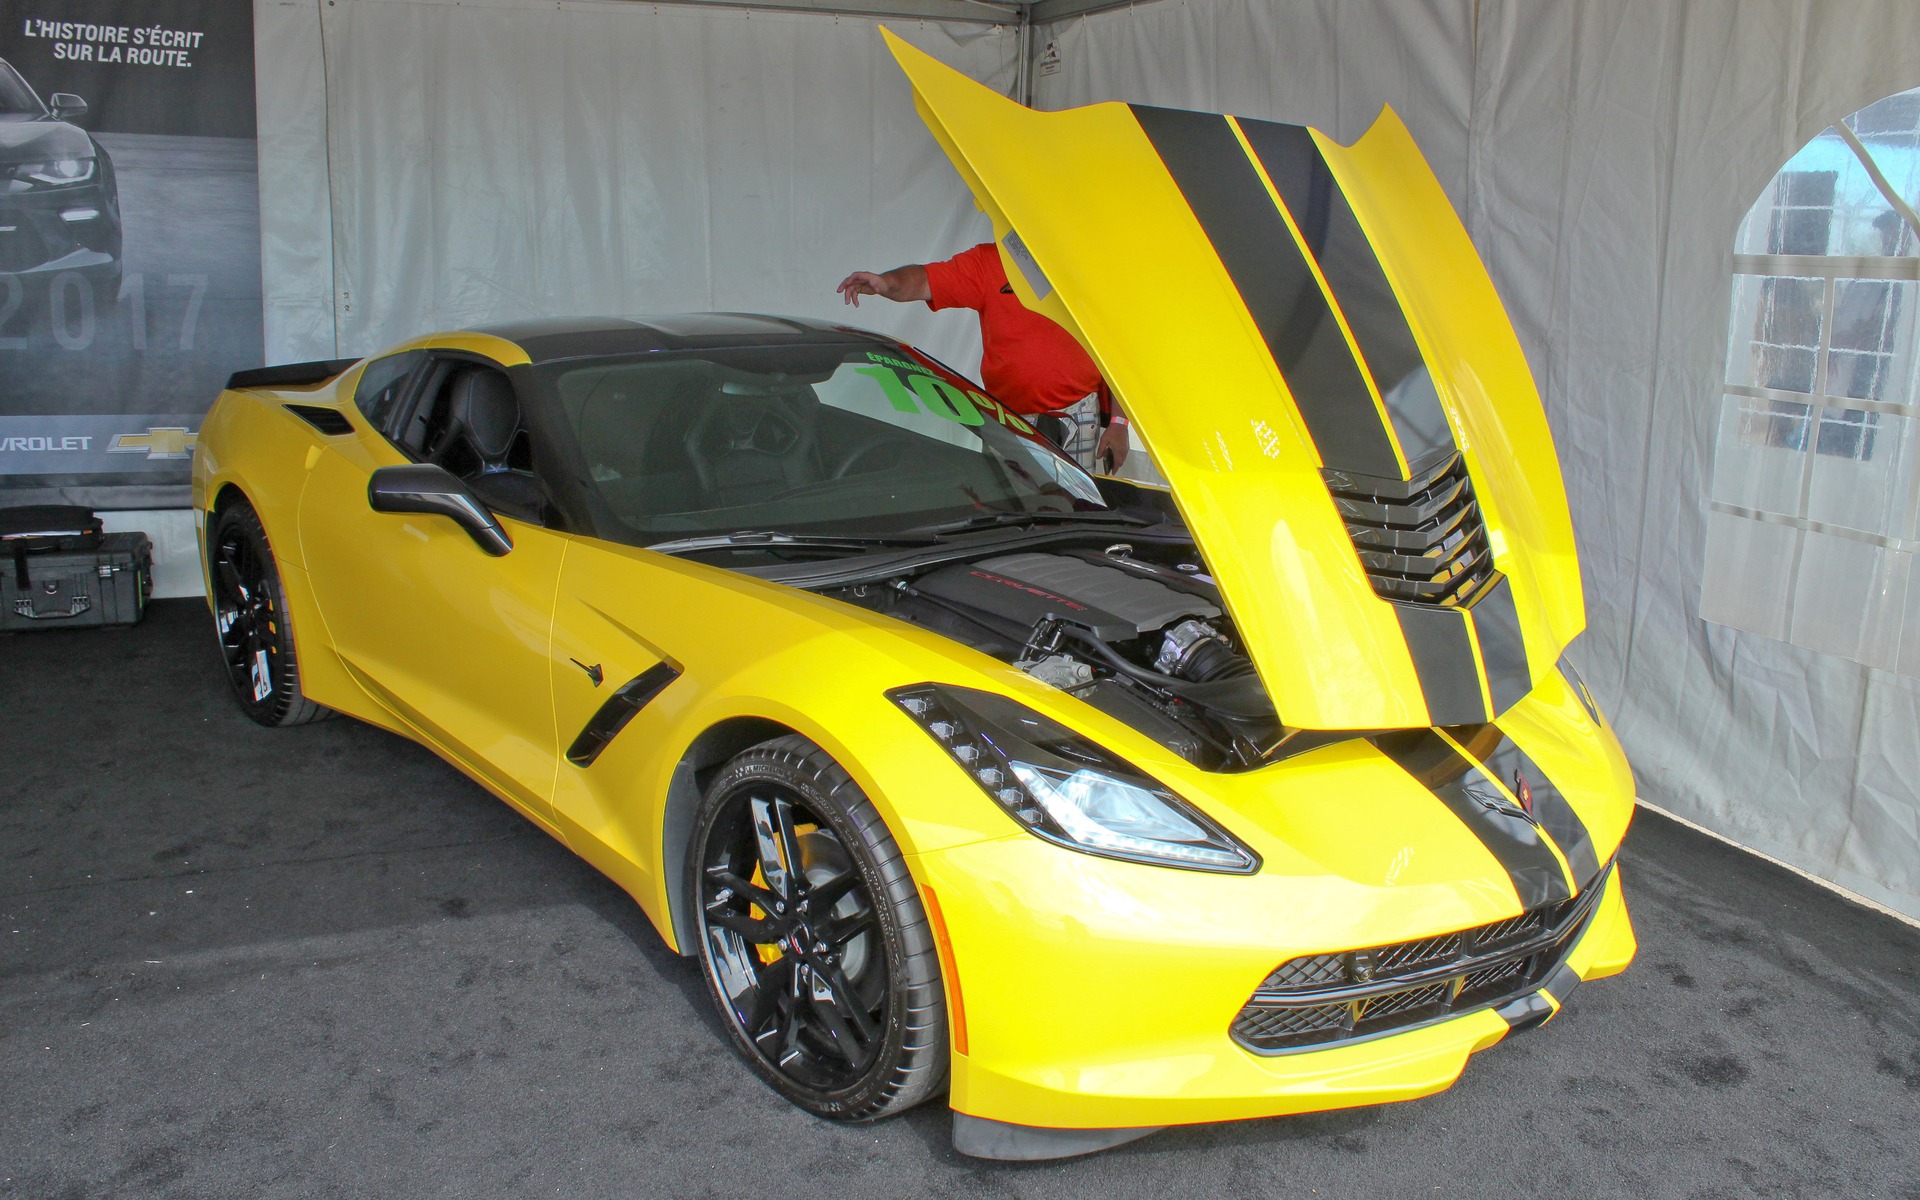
[1097,807]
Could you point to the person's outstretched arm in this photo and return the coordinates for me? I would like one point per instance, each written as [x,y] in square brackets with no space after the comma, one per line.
[901,284]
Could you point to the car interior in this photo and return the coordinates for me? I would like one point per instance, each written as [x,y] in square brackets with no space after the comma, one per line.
[467,419]
[698,437]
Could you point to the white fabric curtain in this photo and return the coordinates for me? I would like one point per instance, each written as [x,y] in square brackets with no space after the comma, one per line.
[1330,64]
[430,165]
[1604,154]
[1635,136]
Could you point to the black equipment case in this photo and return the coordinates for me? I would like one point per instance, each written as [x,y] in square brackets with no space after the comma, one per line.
[58,570]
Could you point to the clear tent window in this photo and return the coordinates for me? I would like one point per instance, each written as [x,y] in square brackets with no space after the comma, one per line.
[1814,505]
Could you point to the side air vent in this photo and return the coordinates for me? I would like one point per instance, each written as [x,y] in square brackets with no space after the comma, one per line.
[1421,540]
[330,421]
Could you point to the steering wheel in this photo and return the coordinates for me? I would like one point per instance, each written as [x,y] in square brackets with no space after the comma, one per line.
[774,430]
[887,448]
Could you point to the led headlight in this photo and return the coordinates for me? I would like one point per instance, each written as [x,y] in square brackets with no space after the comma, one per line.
[1063,788]
[57,173]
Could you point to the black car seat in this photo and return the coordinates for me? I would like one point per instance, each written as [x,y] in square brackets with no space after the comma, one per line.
[483,427]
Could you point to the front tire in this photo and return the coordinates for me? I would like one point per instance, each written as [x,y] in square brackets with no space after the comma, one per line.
[250,616]
[826,976]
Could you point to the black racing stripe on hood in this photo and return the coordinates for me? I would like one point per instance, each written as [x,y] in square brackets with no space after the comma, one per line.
[1360,287]
[1442,656]
[1503,649]
[1509,763]
[1509,834]
[1271,273]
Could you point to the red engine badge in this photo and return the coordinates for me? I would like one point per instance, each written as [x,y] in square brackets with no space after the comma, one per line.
[1523,792]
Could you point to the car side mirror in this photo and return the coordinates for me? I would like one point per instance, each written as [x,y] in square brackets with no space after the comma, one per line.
[430,489]
[66,106]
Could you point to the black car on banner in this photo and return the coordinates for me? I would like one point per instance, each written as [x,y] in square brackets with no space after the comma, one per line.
[59,205]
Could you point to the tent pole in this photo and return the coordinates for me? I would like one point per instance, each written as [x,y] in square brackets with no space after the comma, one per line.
[1023,76]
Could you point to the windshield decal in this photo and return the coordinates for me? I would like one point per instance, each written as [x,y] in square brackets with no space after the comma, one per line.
[889,381]
[942,399]
[906,382]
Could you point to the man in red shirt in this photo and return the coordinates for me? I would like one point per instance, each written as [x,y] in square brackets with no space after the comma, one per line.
[1028,362]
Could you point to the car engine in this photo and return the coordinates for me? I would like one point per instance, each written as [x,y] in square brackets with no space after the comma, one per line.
[1145,641]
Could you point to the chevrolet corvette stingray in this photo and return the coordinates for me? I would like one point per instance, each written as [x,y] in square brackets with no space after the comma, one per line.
[1094,806]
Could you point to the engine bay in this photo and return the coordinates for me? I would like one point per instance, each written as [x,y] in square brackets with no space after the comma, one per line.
[1139,633]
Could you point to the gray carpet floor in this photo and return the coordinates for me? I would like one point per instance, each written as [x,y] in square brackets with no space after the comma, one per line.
[239,962]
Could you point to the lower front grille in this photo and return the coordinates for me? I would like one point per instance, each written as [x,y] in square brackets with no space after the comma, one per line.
[21,247]
[1319,1000]
[1282,1023]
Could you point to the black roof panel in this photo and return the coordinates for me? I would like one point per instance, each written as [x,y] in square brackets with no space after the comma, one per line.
[551,338]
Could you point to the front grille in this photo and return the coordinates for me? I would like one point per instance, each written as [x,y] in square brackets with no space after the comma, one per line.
[1310,970]
[1317,1000]
[1404,1001]
[21,248]
[1407,955]
[1524,925]
[1497,980]
[1421,541]
[1283,1024]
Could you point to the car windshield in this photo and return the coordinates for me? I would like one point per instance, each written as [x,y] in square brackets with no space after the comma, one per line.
[825,438]
[16,98]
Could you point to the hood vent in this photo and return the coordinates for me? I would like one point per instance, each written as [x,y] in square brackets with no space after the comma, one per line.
[1421,541]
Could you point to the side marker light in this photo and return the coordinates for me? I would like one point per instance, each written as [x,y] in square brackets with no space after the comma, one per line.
[943,946]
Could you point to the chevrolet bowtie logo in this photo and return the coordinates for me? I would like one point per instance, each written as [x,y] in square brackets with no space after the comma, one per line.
[169,441]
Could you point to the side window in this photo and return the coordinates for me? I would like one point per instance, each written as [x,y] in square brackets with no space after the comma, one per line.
[383,385]
[467,419]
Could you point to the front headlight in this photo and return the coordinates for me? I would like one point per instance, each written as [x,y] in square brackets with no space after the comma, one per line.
[1064,788]
[56,173]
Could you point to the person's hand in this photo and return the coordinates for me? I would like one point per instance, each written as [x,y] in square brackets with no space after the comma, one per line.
[1114,444]
[901,285]
[861,283]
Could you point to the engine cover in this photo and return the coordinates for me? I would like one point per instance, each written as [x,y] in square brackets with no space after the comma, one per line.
[1024,588]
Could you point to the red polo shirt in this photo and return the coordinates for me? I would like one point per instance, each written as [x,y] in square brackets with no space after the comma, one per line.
[1028,362]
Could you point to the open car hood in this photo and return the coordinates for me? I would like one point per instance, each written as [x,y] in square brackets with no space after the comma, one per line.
[1313,352]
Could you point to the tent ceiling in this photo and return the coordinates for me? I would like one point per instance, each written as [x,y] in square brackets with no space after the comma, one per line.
[984,12]
[980,12]
[1045,12]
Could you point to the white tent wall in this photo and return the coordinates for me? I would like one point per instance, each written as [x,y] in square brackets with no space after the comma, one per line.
[1605,152]
[1616,148]
[429,165]
[1331,64]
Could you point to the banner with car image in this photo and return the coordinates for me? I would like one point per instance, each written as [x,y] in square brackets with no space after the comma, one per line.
[129,241]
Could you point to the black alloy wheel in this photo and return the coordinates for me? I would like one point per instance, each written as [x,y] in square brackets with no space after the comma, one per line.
[815,945]
[250,616]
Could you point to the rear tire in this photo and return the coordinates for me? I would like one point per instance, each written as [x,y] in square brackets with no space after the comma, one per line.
[250,617]
[826,977]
